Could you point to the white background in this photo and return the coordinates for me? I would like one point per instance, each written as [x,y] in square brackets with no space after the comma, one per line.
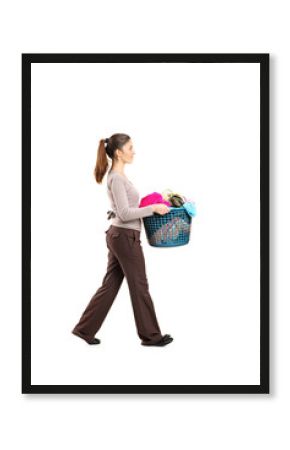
[197,131]
[204,421]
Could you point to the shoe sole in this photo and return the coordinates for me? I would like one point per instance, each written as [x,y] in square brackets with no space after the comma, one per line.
[160,343]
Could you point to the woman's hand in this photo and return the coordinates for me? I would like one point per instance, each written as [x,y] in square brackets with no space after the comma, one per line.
[160,208]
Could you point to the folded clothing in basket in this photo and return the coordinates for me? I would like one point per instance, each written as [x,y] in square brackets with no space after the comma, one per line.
[153,198]
[169,198]
[168,193]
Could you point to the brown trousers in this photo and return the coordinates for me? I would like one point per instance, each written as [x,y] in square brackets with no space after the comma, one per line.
[125,258]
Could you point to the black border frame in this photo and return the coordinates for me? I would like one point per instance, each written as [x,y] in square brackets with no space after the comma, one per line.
[263,60]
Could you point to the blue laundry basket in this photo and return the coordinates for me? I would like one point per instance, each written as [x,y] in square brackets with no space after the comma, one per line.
[168,230]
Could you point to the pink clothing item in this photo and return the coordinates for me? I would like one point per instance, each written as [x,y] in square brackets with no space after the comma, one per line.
[153,198]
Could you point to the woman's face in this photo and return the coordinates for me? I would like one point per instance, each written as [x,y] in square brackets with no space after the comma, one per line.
[127,153]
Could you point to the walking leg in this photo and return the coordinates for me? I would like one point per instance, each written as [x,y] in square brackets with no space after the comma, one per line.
[131,259]
[99,305]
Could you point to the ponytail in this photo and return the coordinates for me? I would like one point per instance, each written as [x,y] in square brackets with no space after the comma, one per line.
[102,162]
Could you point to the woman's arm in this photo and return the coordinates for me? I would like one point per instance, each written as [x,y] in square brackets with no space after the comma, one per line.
[124,211]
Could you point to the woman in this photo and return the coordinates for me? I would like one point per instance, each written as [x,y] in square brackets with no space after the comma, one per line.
[125,257]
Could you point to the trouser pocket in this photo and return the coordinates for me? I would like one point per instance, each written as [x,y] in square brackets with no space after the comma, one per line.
[131,240]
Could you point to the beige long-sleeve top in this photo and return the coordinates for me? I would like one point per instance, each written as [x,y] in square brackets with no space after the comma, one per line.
[124,199]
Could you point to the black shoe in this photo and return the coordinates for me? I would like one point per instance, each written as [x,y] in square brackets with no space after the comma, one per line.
[166,339]
[94,341]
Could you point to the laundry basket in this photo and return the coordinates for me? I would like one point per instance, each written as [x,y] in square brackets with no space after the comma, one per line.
[168,230]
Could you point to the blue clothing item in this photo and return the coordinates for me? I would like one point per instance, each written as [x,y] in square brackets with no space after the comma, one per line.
[190,208]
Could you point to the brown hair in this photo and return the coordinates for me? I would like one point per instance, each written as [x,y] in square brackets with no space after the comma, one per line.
[107,148]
